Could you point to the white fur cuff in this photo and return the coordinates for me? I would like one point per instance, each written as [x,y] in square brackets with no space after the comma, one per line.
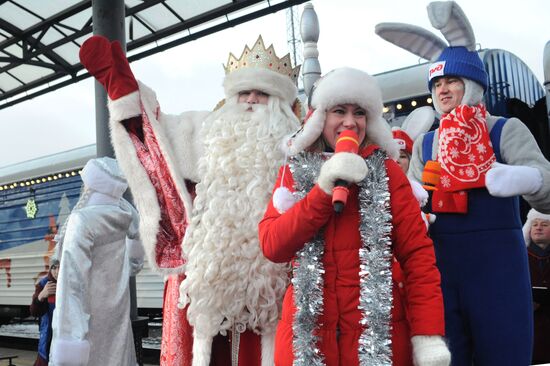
[430,351]
[68,352]
[125,107]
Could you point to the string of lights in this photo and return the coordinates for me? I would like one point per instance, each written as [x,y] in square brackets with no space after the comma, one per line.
[40,180]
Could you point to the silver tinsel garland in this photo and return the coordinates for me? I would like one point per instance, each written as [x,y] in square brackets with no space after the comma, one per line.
[307,273]
[375,276]
[375,301]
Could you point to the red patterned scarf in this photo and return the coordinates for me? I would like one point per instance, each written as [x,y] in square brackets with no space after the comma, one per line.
[465,154]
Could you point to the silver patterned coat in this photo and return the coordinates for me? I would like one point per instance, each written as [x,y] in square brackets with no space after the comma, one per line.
[91,323]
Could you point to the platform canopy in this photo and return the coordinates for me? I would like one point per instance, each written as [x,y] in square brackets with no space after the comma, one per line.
[39,40]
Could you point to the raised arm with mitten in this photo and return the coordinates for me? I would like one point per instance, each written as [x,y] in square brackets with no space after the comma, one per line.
[137,146]
[107,63]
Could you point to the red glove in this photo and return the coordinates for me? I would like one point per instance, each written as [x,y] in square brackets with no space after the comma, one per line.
[107,63]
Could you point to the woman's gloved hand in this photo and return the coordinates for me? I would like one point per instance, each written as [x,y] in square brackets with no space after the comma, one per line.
[342,166]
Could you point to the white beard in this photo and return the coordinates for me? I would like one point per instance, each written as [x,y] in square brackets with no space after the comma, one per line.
[229,281]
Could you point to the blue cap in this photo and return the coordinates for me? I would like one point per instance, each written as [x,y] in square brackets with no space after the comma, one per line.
[458,61]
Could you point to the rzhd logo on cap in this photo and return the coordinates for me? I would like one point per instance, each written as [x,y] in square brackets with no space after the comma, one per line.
[436,69]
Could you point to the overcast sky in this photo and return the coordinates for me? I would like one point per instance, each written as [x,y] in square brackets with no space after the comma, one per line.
[189,77]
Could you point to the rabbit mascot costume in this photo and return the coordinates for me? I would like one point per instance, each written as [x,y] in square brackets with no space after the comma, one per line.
[486,163]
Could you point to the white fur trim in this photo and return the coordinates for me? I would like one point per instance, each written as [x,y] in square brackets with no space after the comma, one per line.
[268,349]
[312,129]
[532,215]
[103,175]
[202,350]
[270,82]
[283,199]
[345,86]
[125,107]
[143,192]
[348,86]
[70,352]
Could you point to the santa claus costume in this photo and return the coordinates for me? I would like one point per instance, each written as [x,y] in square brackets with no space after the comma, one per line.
[204,179]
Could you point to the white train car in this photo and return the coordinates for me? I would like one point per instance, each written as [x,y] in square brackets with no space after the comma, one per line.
[36,197]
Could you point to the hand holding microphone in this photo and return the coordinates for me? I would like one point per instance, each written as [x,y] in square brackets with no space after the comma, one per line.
[343,168]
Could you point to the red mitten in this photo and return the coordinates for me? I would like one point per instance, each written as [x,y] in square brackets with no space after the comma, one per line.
[107,63]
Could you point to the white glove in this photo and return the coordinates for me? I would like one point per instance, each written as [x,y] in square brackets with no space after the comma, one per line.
[428,218]
[419,192]
[512,180]
[430,351]
[341,166]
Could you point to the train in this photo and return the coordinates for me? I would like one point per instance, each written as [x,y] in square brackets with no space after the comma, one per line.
[36,198]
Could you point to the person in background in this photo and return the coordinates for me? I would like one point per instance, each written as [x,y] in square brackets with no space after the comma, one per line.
[43,305]
[536,233]
[340,308]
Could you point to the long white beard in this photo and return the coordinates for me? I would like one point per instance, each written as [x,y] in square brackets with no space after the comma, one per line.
[229,282]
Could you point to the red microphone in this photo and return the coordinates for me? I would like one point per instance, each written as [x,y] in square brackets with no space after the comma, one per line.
[347,141]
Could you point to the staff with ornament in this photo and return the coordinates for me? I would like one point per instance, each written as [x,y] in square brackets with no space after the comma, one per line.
[204,179]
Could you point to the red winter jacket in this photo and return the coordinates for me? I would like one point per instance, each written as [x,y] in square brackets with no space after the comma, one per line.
[282,235]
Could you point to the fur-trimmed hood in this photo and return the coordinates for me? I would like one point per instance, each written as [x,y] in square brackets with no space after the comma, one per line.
[344,86]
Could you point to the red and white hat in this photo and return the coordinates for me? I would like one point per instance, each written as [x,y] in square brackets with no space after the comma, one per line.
[403,140]
[344,86]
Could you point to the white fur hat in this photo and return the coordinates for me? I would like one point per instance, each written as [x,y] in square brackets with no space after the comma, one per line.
[532,215]
[103,175]
[344,86]
[270,82]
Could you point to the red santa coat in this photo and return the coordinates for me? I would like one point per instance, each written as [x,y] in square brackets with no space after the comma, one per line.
[282,235]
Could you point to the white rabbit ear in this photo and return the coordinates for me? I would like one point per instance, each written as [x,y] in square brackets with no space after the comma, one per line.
[418,122]
[449,18]
[417,40]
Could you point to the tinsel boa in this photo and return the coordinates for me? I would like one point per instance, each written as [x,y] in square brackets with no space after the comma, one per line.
[375,254]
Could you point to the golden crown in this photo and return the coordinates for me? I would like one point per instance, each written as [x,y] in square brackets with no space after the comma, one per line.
[259,56]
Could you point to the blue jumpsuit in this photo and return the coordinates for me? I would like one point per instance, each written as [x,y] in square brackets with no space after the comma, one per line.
[484,277]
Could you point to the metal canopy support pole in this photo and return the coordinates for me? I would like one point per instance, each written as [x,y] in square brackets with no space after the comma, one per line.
[108,19]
